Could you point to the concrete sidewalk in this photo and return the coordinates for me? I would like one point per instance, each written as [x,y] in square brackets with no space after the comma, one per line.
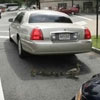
[92,26]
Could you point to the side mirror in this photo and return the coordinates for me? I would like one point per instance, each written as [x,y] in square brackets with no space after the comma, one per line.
[11,20]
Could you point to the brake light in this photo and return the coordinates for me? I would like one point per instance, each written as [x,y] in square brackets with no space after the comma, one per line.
[36,34]
[87,34]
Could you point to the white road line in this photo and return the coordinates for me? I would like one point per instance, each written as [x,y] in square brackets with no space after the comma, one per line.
[4,31]
[85,18]
[1,92]
[4,37]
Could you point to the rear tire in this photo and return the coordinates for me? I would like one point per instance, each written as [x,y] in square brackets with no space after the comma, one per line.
[20,49]
[10,39]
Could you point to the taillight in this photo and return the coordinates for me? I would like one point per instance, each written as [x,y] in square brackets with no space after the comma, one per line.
[36,34]
[87,34]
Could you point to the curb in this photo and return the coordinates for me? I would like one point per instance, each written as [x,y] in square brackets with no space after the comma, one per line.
[96,50]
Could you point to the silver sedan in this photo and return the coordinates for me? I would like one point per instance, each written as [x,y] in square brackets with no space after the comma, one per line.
[48,32]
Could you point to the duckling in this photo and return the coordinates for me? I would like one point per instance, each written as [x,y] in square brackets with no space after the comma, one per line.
[46,73]
[57,74]
[53,73]
[33,73]
[73,72]
[62,73]
[39,73]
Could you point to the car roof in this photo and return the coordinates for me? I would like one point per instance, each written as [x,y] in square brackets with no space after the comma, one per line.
[41,12]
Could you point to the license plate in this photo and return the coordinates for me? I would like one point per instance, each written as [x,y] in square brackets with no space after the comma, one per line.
[64,36]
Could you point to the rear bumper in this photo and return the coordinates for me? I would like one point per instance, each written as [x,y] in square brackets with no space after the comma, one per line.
[48,47]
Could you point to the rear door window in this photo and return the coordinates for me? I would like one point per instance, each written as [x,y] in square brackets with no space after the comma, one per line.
[19,18]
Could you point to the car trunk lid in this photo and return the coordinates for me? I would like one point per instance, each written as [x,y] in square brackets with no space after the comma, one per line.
[60,31]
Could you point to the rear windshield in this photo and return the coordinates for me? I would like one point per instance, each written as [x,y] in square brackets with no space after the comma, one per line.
[48,19]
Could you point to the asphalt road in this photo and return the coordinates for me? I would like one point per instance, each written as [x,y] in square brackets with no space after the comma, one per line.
[19,84]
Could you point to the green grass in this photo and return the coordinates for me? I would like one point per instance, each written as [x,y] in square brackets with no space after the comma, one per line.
[96,42]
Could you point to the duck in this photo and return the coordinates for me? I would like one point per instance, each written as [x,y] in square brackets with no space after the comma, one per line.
[33,73]
[74,71]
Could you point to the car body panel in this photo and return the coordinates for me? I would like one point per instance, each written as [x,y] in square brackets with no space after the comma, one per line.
[49,28]
[47,45]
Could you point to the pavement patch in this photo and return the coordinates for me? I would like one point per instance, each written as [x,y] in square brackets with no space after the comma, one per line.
[4,31]
[1,92]
[3,25]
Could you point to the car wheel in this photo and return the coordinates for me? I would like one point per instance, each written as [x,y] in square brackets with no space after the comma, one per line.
[20,49]
[10,39]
